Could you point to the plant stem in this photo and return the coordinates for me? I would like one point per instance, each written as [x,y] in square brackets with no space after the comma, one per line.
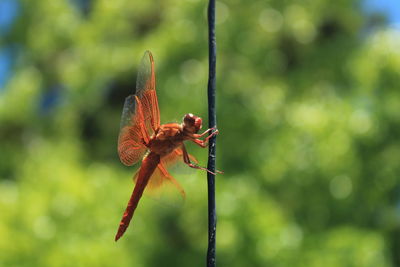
[212,121]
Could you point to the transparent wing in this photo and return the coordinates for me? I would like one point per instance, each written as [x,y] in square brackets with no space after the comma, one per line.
[140,115]
[162,177]
[132,135]
[146,92]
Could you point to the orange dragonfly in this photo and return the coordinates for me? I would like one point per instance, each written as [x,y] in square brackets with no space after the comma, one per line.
[141,133]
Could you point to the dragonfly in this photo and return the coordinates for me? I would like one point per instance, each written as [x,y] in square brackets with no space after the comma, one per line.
[142,138]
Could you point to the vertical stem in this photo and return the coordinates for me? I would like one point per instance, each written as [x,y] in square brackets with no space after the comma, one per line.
[212,120]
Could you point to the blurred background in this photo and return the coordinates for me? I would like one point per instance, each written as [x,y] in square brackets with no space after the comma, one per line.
[308,112]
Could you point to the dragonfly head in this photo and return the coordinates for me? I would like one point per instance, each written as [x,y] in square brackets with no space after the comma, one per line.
[192,123]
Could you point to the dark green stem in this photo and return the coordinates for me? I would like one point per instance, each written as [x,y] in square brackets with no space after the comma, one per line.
[212,120]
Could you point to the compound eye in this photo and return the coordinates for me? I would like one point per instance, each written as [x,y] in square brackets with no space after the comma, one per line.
[189,119]
[198,123]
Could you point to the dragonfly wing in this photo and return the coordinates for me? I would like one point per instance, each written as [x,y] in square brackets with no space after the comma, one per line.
[175,156]
[168,161]
[146,92]
[169,178]
[132,135]
[162,177]
[140,114]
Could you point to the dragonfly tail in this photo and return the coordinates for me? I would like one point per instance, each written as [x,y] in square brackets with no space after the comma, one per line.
[149,164]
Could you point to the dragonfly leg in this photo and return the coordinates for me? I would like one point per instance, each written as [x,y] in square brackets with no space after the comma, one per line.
[204,143]
[205,132]
[187,161]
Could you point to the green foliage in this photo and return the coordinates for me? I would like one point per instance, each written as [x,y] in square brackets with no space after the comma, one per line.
[308,113]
